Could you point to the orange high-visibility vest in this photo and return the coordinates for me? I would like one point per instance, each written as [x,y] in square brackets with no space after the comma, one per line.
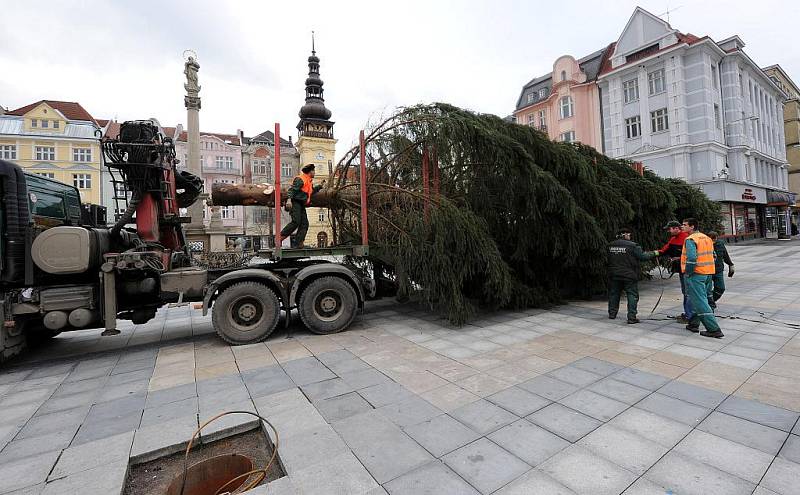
[705,254]
[307,188]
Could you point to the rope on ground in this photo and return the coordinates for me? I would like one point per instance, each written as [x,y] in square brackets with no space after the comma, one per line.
[262,473]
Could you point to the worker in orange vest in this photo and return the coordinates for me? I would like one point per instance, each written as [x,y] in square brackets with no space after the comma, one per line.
[300,193]
[697,266]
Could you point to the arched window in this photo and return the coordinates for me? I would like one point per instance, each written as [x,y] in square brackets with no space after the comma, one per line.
[565,109]
[322,239]
[563,75]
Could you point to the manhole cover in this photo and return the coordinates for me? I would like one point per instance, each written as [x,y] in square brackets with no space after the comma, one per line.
[211,462]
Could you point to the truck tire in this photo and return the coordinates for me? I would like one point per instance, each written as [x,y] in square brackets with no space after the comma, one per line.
[328,305]
[245,313]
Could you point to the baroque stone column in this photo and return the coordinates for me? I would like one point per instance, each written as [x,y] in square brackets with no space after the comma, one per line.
[192,103]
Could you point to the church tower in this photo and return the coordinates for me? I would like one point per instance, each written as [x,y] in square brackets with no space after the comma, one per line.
[316,145]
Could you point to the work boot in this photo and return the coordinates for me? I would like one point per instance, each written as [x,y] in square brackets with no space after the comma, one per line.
[612,316]
[717,334]
[693,328]
[681,318]
[632,321]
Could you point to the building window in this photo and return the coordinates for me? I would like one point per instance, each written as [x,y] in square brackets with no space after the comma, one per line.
[714,79]
[81,154]
[34,123]
[8,151]
[321,215]
[49,175]
[542,119]
[568,137]
[716,117]
[655,81]
[261,216]
[566,107]
[542,93]
[630,90]
[45,153]
[286,169]
[82,181]
[120,191]
[224,162]
[633,127]
[260,167]
[56,124]
[531,119]
[659,121]
[563,75]
[531,97]
[228,212]
[45,124]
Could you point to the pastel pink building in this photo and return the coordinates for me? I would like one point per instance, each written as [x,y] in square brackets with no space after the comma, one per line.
[565,103]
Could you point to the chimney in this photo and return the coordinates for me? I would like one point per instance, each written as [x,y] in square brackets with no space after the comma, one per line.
[290,140]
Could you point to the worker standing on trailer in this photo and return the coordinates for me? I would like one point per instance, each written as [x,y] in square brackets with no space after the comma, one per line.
[697,266]
[299,198]
[673,248]
[721,259]
[624,256]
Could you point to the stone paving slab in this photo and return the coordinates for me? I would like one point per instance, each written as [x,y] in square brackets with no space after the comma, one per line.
[431,479]
[441,434]
[586,473]
[485,465]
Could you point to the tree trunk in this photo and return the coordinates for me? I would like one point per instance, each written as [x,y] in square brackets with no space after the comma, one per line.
[262,195]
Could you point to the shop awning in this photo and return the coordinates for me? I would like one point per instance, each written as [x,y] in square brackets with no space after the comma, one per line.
[779,198]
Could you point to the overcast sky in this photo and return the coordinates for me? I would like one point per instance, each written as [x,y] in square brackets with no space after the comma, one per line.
[123,59]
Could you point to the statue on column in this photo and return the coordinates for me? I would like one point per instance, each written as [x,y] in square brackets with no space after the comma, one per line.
[191,67]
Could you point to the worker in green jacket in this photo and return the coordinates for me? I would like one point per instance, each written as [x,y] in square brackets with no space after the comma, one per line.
[624,256]
[299,199]
[721,259]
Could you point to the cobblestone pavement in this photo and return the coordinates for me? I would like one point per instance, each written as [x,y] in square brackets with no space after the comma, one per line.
[536,402]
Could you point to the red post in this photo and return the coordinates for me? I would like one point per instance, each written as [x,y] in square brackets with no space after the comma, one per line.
[435,160]
[425,185]
[362,177]
[277,205]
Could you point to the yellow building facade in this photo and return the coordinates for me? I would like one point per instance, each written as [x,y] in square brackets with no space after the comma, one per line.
[791,129]
[320,152]
[55,139]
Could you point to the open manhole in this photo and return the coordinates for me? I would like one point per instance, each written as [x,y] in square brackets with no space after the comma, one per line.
[211,466]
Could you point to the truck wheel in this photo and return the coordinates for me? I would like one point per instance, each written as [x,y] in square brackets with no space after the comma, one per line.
[328,305]
[245,313]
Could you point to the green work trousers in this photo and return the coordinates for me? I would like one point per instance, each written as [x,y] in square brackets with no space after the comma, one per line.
[698,288]
[615,289]
[299,222]
[719,285]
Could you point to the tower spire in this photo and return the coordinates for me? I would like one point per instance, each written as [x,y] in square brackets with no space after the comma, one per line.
[314,113]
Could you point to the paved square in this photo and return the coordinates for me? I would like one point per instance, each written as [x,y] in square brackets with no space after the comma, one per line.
[558,401]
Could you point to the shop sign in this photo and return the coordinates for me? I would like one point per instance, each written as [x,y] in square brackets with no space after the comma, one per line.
[748,195]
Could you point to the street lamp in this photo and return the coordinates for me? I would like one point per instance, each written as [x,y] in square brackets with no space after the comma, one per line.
[751,118]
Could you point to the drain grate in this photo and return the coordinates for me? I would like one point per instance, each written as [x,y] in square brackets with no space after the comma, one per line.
[215,463]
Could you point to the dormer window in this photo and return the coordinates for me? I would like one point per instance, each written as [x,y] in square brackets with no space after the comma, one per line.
[644,52]
[563,75]
[542,92]
[531,97]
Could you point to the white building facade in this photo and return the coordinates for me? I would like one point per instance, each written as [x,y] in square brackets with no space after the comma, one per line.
[691,108]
